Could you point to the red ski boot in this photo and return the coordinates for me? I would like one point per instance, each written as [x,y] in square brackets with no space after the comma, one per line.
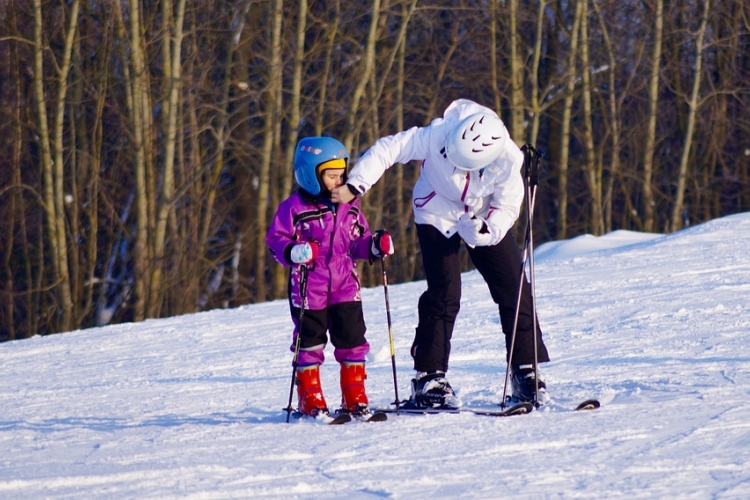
[309,392]
[353,396]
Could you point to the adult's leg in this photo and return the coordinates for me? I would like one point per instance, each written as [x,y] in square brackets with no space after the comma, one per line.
[439,304]
[500,266]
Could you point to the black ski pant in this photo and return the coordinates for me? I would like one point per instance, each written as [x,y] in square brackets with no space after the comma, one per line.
[500,266]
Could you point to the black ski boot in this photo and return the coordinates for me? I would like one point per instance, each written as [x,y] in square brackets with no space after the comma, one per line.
[523,383]
[432,390]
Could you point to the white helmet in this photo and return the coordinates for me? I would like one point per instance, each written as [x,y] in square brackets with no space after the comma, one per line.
[475,142]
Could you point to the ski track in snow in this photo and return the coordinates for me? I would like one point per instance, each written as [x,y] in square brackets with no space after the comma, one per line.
[654,326]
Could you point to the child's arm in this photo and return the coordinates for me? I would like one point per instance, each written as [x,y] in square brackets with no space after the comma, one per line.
[283,241]
[371,246]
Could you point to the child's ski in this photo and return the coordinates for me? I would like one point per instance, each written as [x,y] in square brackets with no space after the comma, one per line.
[324,418]
[341,417]
[376,416]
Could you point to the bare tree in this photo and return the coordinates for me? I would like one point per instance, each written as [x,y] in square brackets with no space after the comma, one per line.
[172,54]
[562,217]
[271,118]
[516,77]
[53,155]
[693,104]
[280,274]
[536,107]
[653,97]
[368,65]
[148,143]
[593,168]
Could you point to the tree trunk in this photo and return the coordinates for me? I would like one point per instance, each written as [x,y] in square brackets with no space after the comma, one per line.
[271,118]
[280,273]
[54,168]
[693,104]
[536,108]
[172,50]
[653,96]
[516,78]
[364,77]
[593,168]
[332,34]
[496,97]
[614,124]
[562,216]
[136,88]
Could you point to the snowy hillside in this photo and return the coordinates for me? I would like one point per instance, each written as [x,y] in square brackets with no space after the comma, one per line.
[657,327]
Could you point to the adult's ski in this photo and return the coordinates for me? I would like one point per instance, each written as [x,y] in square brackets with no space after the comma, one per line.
[585,405]
[516,409]
[589,404]
[510,409]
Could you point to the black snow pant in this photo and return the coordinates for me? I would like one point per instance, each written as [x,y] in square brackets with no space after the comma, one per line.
[500,266]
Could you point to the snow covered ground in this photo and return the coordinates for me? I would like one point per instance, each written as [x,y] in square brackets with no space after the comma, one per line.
[657,327]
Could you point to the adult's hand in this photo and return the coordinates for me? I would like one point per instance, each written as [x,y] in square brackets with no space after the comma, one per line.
[473,230]
[342,194]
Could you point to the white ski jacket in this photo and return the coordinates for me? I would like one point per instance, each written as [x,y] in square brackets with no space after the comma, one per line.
[443,192]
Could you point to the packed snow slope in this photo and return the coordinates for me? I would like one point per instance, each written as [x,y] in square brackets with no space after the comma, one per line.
[191,407]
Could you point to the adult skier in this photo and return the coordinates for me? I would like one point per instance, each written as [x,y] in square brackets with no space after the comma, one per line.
[470,188]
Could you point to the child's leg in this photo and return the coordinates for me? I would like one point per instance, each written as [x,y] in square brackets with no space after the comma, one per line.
[314,339]
[347,328]
[309,392]
[311,356]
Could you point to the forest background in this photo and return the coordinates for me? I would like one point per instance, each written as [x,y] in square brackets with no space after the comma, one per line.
[146,144]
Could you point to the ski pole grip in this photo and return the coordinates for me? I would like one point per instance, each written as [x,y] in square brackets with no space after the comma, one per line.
[531,159]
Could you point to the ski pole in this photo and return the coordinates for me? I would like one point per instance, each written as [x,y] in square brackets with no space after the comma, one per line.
[531,180]
[390,331]
[303,298]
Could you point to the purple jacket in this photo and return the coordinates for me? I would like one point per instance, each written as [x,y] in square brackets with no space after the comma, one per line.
[343,236]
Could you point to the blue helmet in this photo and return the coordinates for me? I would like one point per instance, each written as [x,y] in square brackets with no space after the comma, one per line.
[310,153]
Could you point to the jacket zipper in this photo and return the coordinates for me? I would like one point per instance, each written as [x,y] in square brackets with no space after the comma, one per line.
[466,186]
[330,251]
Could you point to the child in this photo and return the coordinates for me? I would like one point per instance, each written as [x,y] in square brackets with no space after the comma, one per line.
[311,231]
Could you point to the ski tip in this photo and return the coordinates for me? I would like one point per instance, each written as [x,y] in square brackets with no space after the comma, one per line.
[589,404]
[339,419]
[518,409]
[344,417]
[322,418]
[378,416]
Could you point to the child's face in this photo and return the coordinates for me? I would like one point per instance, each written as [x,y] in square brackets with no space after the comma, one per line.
[332,178]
